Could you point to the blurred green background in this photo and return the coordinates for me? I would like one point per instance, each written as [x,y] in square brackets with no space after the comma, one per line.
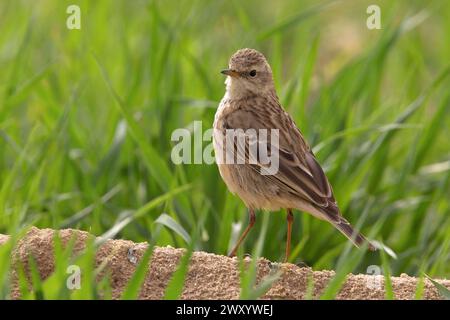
[86,118]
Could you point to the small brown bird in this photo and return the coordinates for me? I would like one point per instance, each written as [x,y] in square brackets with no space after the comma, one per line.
[251,103]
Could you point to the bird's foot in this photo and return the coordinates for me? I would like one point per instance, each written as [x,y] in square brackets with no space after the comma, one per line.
[301,264]
[246,255]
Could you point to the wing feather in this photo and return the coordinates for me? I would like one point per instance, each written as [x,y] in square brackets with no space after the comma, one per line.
[299,172]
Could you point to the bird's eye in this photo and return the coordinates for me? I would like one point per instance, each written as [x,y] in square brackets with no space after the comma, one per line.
[253,73]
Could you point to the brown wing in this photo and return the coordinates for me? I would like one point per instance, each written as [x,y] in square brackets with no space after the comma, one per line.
[299,172]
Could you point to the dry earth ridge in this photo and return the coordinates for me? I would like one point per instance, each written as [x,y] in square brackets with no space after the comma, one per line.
[210,276]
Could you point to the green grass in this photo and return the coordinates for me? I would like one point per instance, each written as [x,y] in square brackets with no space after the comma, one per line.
[86,118]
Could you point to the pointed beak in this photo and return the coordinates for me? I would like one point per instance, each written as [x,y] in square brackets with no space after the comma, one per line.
[230,72]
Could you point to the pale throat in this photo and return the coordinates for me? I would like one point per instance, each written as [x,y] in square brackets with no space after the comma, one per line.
[236,89]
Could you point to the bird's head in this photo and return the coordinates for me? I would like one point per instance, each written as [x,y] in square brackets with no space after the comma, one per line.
[248,73]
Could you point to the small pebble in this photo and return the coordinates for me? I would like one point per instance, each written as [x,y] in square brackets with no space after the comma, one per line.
[131,257]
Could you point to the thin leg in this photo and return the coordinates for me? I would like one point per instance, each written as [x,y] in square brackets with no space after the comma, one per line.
[290,219]
[251,222]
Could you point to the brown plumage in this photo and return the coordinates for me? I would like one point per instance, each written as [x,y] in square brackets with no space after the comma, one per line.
[250,102]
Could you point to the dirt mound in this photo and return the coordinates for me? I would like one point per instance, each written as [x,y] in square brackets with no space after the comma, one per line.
[210,276]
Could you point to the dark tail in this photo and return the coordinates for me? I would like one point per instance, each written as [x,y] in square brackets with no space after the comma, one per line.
[357,238]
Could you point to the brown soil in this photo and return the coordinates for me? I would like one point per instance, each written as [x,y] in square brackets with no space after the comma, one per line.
[210,276]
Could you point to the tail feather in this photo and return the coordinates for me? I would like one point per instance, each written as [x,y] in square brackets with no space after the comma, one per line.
[332,214]
[357,238]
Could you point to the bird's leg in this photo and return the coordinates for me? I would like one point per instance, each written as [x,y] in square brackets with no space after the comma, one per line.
[251,222]
[290,219]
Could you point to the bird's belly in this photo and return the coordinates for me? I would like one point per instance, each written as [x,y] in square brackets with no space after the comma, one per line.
[254,189]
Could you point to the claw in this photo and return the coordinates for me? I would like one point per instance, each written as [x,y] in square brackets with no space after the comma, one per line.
[302,264]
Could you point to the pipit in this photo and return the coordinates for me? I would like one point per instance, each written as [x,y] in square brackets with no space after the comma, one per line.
[250,102]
